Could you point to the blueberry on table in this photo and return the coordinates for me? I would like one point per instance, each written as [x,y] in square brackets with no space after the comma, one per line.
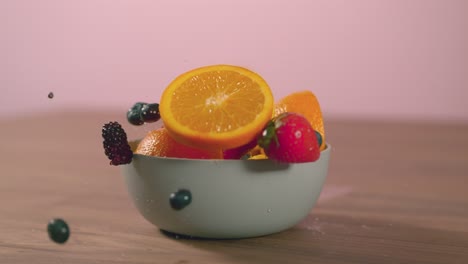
[150,113]
[58,230]
[180,199]
[134,114]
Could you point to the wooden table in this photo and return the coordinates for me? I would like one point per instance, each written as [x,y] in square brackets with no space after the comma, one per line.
[396,193]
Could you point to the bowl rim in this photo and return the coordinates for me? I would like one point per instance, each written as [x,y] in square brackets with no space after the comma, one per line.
[325,150]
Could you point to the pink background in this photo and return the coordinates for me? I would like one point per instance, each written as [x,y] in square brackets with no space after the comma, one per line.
[364,59]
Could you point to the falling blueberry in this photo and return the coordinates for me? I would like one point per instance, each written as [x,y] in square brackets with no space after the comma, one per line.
[180,199]
[319,138]
[58,230]
[150,113]
[51,95]
[134,114]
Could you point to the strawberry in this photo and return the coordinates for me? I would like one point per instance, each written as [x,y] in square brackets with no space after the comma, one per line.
[290,138]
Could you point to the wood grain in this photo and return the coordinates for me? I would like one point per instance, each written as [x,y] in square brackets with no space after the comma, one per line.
[396,193]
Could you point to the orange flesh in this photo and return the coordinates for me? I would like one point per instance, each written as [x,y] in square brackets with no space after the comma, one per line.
[216,96]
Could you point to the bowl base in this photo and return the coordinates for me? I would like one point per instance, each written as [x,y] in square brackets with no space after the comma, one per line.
[174,235]
[182,236]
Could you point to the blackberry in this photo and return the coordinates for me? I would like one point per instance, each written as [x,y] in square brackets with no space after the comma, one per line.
[115,144]
[150,113]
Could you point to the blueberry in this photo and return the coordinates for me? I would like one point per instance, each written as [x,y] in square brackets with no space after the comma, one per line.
[134,114]
[319,138]
[58,230]
[180,199]
[150,113]
[50,95]
[246,156]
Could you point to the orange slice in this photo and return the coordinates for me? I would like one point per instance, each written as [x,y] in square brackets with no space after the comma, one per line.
[216,107]
[159,143]
[257,150]
[258,157]
[305,103]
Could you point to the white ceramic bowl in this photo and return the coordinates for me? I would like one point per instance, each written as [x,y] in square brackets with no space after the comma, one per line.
[229,198]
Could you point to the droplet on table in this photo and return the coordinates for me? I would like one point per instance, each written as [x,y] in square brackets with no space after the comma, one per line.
[180,199]
[51,95]
[58,230]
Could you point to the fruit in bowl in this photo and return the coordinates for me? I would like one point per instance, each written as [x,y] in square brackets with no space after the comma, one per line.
[228,162]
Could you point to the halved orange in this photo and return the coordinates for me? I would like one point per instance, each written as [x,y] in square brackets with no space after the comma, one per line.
[216,107]
[305,103]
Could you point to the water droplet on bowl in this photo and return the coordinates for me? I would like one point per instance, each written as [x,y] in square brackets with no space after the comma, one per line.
[298,134]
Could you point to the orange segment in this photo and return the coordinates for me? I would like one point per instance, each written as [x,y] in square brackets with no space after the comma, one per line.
[305,103]
[159,143]
[216,107]
[257,150]
[259,157]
